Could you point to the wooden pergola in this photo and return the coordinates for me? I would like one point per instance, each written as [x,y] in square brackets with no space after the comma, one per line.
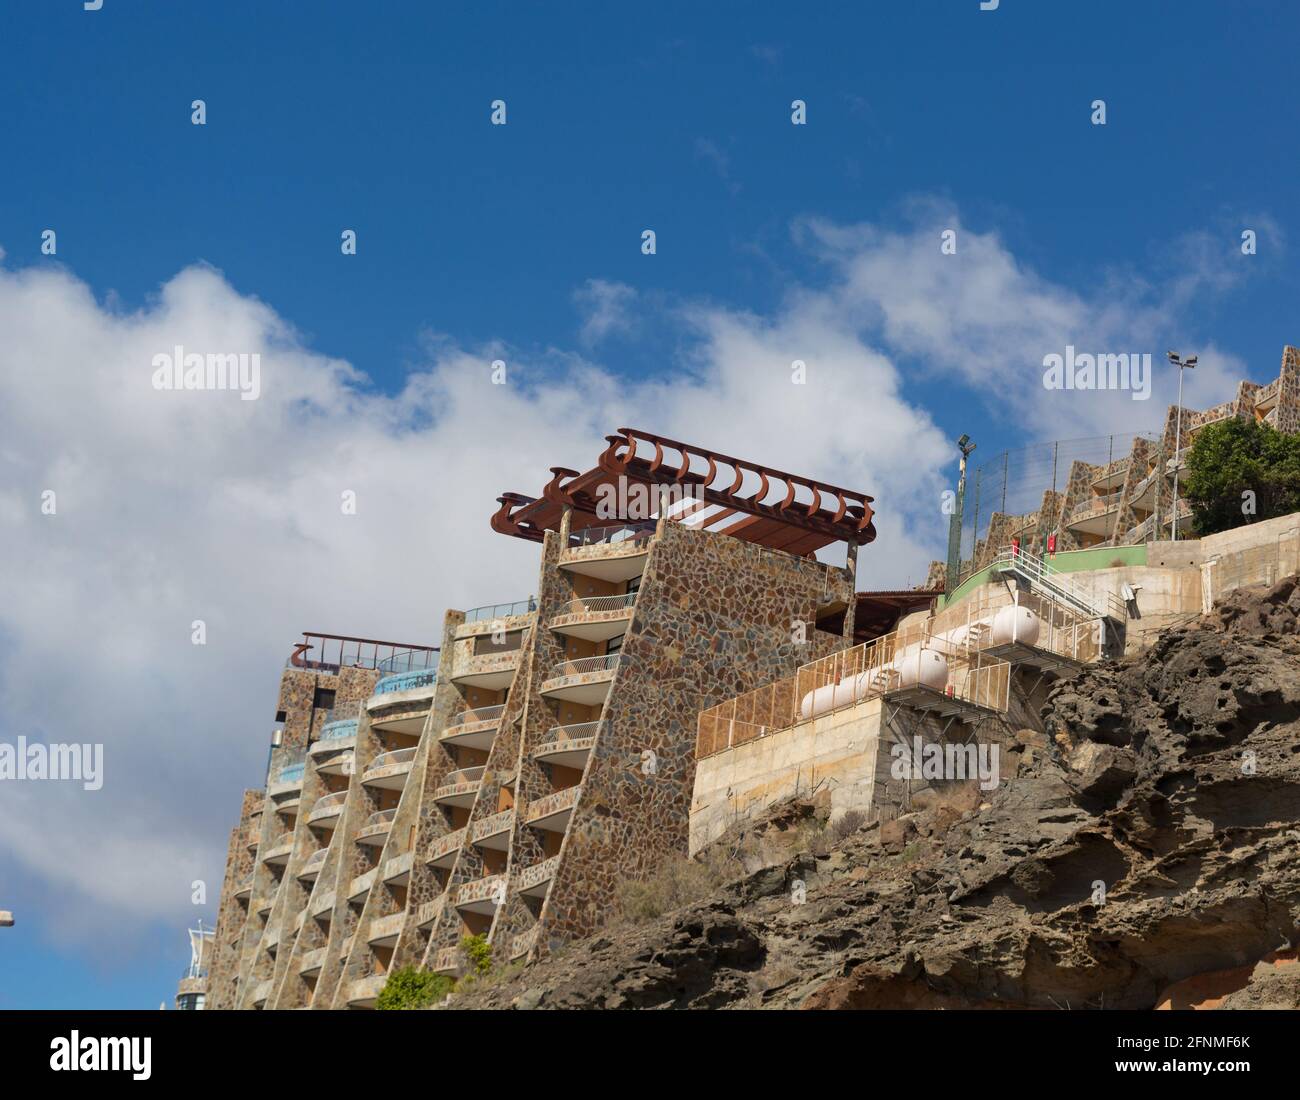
[704,489]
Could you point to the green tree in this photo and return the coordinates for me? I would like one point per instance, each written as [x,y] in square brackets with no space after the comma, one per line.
[1237,462]
[411,988]
[479,952]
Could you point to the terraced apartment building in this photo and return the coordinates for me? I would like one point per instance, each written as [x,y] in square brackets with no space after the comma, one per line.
[1130,500]
[505,785]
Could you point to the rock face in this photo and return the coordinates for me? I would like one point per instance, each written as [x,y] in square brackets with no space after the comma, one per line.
[1150,837]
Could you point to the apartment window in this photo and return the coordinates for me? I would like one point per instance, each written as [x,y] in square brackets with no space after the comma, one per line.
[323,699]
[281,716]
[634,585]
[614,645]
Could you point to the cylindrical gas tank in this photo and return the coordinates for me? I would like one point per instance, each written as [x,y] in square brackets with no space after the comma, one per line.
[1014,624]
[925,667]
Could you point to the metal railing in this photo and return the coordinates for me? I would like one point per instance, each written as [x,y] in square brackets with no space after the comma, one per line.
[388,759]
[1059,585]
[1097,504]
[476,714]
[315,859]
[331,652]
[463,775]
[582,666]
[491,611]
[639,532]
[409,660]
[844,679]
[380,817]
[594,605]
[575,731]
[292,773]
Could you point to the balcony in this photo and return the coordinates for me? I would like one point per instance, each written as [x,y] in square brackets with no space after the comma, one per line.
[280,850]
[288,781]
[552,812]
[615,553]
[481,895]
[385,930]
[402,711]
[244,890]
[534,881]
[429,912]
[422,680]
[271,940]
[1094,515]
[328,809]
[447,960]
[323,905]
[1112,475]
[364,992]
[376,828]
[397,870]
[491,671]
[459,788]
[523,943]
[359,887]
[473,729]
[390,769]
[595,618]
[261,991]
[570,745]
[299,921]
[444,850]
[312,963]
[584,681]
[333,750]
[311,867]
[493,832]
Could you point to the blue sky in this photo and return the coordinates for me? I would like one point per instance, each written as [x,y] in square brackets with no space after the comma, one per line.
[325,116]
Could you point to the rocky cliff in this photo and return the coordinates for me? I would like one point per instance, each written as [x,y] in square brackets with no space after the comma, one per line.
[1144,850]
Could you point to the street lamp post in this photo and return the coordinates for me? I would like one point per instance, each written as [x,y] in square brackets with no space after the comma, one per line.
[1182,364]
[955,521]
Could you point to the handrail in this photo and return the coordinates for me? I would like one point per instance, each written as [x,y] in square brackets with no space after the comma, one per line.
[338,731]
[581,666]
[318,856]
[593,605]
[334,798]
[388,759]
[477,714]
[291,773]
[491,611]
[463,775]
[615,533]
[571,732]
[409,660]
[406,681]
[380,817]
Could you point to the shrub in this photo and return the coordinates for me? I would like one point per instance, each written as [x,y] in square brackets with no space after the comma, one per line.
[479,952]
[847,825]
[411,988]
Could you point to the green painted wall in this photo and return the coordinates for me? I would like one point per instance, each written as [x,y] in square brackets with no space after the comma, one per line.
[1068,561]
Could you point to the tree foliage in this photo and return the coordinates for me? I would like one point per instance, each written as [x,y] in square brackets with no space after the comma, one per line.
[1239,471]
[411,988]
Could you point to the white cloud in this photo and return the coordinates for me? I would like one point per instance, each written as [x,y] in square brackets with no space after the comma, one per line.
[605,307]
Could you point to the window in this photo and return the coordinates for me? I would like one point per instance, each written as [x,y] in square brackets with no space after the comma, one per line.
[323,699]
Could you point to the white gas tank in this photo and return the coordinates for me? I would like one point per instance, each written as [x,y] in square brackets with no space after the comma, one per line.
[924,667]
[1014,624]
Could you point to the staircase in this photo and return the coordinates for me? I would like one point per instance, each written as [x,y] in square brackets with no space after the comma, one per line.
[1060,586]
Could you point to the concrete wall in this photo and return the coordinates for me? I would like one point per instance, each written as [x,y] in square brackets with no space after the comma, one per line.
[835,753]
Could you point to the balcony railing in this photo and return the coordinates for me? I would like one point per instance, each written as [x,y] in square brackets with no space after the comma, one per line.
[328,805]
[313,861]
[524,942]
[362,883]
[462,776]
[284,840]
[406,681]
[312,960]
[339,730]
[577,731]
[553,803]
[391,759]
[381,819]
[491,611]
[595,605]
[586,665]
[445,845]
[490,888]
[493,825]
[429,911]
[1095,505]
[408,660]
[291,774]
[534,876]
[475,715]
[639,532]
